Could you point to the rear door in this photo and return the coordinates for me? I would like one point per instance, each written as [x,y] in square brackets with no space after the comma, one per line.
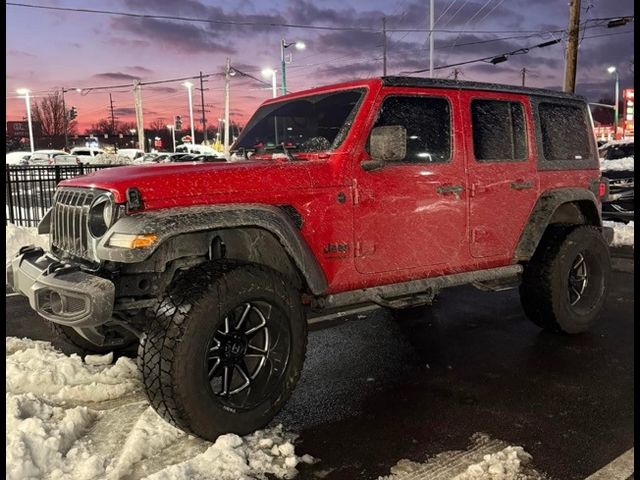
[502,173]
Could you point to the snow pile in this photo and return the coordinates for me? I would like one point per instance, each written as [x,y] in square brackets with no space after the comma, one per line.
[72,419]
[235,458]
[503,465]
[485,459]
[37,367]
[622,233]
[619,164]
[19,236]
[42,438]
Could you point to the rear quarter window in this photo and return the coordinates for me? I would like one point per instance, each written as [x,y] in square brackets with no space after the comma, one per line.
[564,135]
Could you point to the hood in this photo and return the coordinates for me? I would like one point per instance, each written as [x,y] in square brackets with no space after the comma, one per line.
[192,183]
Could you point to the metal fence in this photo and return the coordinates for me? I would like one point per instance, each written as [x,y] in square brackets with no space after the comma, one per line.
[30,189]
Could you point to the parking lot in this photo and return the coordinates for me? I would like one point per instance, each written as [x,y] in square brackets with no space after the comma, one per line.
[376,390]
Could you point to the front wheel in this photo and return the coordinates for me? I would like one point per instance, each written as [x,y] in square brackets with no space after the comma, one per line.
[225,349]
[565,284]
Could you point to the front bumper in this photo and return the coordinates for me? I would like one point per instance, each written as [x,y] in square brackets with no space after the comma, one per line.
[59,292]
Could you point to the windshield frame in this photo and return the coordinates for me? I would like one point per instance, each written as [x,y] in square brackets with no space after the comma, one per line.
[340,136]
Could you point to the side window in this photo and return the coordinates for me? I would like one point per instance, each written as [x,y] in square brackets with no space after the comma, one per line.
[428,124]
[499,132]
[564,129]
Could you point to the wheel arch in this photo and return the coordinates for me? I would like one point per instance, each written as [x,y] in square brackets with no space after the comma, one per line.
[566,206]
[261,234]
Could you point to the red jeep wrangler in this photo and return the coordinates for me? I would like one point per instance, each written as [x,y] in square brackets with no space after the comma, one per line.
[370,193]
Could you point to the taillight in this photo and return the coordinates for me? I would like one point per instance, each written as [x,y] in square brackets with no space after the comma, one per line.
[602,189]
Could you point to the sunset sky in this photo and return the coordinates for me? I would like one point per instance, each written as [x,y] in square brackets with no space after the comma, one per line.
[53,49]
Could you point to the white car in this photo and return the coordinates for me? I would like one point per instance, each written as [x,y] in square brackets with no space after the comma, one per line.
[18,158]
[44,157]
[132,153]
[198,150]
[87,154]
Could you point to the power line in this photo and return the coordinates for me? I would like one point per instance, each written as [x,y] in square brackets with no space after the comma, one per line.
[254,23]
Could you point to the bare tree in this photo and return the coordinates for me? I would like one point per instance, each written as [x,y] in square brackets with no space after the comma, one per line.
[158,125]
[50,114]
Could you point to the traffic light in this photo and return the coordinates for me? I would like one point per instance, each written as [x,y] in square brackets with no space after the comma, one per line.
[178,123]
[73,113]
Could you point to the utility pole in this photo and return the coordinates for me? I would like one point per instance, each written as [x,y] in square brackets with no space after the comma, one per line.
[456,72]
[431,38]
[227,81]
[384,46]
[204,118]
[524,73]
[137,98]
[65,121]
[113,123]
[571,55]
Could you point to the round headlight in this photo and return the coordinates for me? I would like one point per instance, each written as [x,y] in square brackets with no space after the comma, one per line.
[101,215]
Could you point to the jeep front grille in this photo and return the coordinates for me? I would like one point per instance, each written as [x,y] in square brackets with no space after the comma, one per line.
[69,217]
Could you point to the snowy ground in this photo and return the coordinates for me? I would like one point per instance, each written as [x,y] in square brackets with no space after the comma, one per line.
[622,233]
[20,236]
[69,418]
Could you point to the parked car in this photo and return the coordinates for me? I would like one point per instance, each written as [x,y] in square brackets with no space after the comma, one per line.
[178,157]
[132,153]
[616,164]
[65,159]
[86,153]
[208,158]
[44,157]
[198,150]
[18,158]
[366,194]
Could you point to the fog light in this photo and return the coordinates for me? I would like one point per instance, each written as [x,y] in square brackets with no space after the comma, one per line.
[55,300]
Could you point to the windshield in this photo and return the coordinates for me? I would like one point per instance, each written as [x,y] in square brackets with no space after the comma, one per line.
[310,124]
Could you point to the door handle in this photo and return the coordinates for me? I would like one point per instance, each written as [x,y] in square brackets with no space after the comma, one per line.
[444,189]
[521,185]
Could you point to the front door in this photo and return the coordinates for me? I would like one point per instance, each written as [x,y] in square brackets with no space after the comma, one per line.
[412,214]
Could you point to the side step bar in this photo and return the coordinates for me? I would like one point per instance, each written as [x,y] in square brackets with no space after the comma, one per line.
[394,295]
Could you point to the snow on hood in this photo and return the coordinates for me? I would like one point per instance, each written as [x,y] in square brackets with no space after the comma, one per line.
[69,419]
[619,164]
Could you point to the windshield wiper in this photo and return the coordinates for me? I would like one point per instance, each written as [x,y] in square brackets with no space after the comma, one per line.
[285,150]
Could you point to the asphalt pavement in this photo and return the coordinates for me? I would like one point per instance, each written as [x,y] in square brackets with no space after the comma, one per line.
[376,389]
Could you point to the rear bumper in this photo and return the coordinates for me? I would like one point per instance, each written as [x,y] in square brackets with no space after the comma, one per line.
[58,292]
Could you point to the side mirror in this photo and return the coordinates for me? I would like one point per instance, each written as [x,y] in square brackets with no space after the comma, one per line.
[387,144]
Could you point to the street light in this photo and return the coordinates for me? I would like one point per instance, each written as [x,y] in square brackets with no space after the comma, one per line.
[270,72]
[283,44]
[25,92]
[173,135]
[613,69]
[189,86]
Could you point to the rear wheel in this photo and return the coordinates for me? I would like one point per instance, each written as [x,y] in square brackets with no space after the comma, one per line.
[565,284]
[225,349]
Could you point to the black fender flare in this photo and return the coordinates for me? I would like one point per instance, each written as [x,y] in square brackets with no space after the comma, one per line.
[543,212]
[170,222]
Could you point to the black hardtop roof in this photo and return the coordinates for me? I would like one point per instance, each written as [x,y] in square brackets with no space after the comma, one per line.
[396,81]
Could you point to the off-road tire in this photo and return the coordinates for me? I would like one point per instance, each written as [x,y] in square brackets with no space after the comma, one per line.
[545,289]
[70,336]
[176,342]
